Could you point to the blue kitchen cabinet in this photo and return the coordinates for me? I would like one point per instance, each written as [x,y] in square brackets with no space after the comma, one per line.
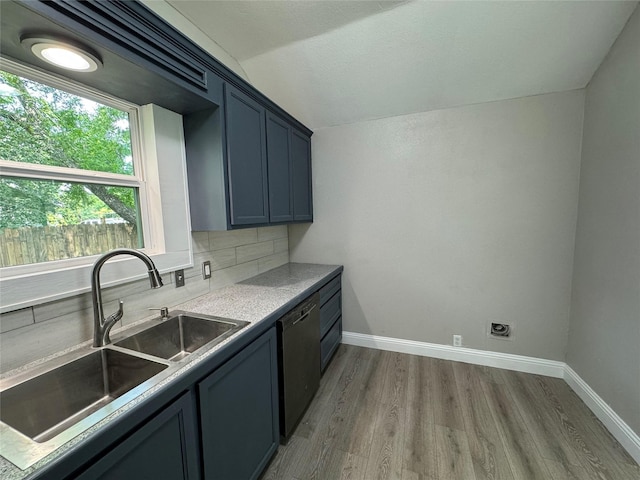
[246,166]
[280,169]
[289,164]
[165,447]
[301,176]
[246,159]
[330,320]
[239,412]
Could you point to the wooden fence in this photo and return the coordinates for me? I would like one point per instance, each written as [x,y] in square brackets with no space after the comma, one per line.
[21,246]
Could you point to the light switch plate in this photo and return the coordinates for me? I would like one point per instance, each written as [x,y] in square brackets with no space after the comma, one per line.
[206,269]
[179,278]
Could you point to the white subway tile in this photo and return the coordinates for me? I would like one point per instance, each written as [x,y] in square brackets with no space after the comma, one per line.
[16,319]
[273,261]
[136,307]
[246,253]
[271,233]
[233,238]
[223,258]
[281,245]
[234,274]
[23,345]
[66,306]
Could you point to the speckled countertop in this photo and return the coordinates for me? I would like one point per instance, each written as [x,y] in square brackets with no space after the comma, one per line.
[254,300]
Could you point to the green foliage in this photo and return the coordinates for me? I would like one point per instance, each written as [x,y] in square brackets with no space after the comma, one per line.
[46,126]
[25,203]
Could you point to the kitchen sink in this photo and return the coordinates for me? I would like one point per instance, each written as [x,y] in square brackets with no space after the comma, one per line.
[50,403]
[180,335]
[45,406]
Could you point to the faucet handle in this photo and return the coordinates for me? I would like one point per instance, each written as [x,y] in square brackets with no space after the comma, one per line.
[114,317]
[164,312]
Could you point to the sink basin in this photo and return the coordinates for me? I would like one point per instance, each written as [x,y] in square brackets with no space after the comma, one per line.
[50,403]
[181,335]
[44,407]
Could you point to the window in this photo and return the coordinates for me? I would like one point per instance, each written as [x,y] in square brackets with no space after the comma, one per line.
[82,174]
[89,202]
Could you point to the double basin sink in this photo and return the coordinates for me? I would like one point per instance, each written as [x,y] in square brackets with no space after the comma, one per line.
[47,408]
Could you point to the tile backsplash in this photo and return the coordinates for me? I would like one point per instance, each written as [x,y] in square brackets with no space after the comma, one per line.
[39,331]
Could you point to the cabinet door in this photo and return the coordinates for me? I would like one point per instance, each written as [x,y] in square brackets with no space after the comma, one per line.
[246,159]
[239,412]
[165,447]
[301,181]
[279,166]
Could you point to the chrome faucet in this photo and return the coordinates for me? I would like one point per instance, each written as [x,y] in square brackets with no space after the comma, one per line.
[102,326]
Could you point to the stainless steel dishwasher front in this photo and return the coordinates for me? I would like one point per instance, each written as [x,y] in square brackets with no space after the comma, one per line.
[298,362]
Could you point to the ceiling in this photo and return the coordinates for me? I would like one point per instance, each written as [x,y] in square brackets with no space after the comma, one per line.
[337,62]
[248,28]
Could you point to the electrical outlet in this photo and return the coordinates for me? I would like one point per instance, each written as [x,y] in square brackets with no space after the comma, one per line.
[206,270]
[179,278]
[457,340]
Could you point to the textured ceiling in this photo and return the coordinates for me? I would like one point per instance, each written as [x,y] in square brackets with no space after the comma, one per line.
[332,63]
[248,28]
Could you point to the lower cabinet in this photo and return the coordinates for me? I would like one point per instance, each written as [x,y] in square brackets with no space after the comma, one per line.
[165,447]
[238,418]
[330,320]
[239,412]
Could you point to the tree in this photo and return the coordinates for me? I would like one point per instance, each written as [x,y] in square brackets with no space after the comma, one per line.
[43,125]
[25,203]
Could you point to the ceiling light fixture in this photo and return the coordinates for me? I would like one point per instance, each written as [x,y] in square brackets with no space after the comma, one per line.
[62,53]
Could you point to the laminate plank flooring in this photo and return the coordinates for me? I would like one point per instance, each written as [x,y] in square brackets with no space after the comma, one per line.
[453,454]
[420,431]
[485,444]
[385,455]
[517,442]
[385,415]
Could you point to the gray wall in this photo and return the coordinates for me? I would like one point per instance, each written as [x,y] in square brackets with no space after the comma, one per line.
[35,332]
[604,336]
[447,220]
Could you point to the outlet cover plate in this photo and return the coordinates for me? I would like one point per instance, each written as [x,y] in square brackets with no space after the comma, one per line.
[206,269]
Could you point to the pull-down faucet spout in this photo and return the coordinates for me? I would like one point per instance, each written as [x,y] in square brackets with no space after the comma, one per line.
[102,326]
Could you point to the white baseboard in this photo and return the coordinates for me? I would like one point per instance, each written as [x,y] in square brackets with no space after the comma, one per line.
[550,368]
[519,363]
[618,428]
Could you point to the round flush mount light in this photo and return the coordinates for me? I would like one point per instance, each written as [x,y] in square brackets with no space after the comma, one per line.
[62,53]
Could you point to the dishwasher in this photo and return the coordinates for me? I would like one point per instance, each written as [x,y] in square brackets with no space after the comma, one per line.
[298,362]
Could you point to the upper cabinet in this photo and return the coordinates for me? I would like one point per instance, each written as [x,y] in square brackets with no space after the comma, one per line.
[246,166]
[289,163]
[280,170]
[301,179]
[246,159]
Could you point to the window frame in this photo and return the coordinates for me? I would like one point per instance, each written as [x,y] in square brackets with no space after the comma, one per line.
[157,140]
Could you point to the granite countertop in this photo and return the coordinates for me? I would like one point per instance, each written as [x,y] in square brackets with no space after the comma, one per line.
[256,300]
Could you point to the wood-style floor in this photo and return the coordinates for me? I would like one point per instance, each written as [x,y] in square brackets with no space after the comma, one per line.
[385,415]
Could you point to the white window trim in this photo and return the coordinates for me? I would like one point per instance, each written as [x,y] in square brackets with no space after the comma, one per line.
[165,206]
